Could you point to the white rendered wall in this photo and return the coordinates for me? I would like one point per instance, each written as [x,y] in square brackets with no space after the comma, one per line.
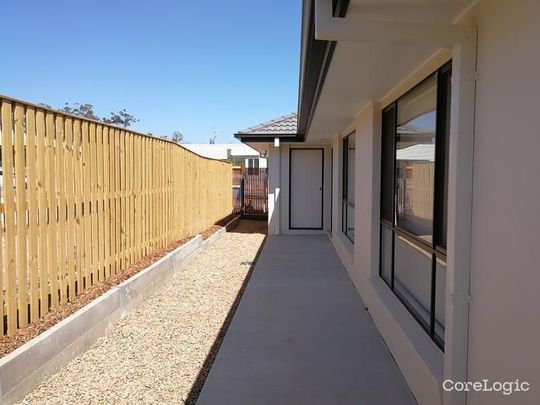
[504,334]
[274,187]
[504,324]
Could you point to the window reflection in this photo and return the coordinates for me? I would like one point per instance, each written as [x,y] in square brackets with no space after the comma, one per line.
[349,146]
[440,299]
[386,254]
[415,160]
[412,278]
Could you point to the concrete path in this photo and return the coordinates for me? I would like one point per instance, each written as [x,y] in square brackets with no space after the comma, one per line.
[301,335]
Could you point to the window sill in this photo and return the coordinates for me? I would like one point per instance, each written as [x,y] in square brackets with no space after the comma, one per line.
[346,242]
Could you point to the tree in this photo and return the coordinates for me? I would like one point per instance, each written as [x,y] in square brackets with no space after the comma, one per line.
[82,110]
[121,118]
[177,137]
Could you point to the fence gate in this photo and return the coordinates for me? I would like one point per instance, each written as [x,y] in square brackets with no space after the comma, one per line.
[255,191]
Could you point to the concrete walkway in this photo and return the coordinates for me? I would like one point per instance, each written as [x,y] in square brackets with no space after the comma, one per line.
[301,335]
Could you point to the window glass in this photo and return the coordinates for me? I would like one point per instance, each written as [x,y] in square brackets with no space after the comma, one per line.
[386,254]
[349,147]
[440,298]
[415,160]
[412,278]
[446,83]
[387,163]
[350,221]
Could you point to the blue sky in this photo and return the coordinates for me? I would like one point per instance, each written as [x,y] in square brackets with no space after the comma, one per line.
[199,67]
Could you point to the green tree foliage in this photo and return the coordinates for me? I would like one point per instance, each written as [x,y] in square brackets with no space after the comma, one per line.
[120,118]
[82,110]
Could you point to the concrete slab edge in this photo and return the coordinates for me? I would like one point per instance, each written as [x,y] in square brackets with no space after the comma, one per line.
[22,370]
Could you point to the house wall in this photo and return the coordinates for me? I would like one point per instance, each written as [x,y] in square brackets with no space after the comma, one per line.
[505,271]
[503,331]
[274,189]
[252,161]
[278,189]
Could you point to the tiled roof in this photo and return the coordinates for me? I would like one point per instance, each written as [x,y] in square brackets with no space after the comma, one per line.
[286,124]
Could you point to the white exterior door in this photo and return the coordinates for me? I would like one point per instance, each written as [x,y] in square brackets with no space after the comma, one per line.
[306,188]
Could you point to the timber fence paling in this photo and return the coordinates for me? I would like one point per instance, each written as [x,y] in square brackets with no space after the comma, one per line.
[81,201]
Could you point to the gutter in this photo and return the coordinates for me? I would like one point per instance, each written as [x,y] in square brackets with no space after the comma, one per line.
[267,138]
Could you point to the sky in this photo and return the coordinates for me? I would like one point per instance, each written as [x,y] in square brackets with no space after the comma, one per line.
[204,68]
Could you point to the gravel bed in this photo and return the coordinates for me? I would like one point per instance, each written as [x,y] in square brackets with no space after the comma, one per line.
[161,351]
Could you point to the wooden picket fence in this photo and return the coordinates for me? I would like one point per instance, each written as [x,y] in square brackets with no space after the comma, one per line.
[82,201]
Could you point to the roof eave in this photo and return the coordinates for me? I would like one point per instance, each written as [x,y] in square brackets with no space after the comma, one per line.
[267,138]
[316,57]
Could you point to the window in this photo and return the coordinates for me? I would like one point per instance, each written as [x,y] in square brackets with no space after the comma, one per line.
[414,178]
[253,163]
[347,211]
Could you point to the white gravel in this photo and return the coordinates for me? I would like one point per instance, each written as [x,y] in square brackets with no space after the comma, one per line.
[156,352]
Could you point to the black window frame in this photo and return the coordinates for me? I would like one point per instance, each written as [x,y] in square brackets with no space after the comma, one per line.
[345,186]
[437,247]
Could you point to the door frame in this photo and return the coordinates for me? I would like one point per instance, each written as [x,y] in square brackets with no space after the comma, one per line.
[322,190]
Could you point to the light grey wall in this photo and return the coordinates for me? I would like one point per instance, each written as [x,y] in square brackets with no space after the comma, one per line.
[505,268]
[274,197]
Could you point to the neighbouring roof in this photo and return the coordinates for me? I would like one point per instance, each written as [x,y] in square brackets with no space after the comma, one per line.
[220,150]
[422,152]
[281,127]
[286,124]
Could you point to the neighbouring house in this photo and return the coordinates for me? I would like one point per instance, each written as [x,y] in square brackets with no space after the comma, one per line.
[416,151]
[237,153]
[249,174]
